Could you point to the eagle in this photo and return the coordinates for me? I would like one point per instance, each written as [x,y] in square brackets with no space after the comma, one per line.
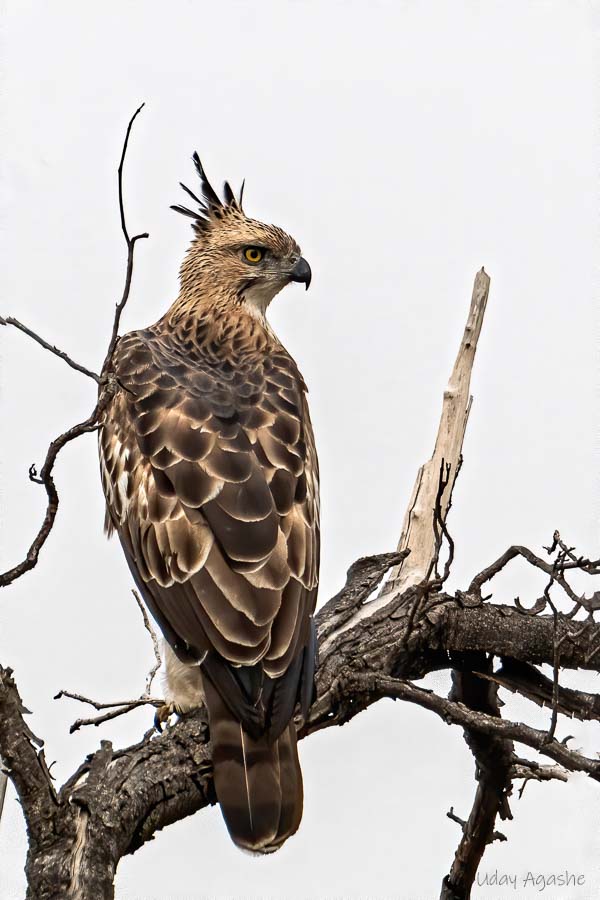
[210,476]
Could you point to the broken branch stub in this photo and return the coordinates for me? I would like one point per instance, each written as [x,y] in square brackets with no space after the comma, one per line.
[418,534]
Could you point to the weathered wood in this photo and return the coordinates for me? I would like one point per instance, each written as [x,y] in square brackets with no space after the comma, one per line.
[117,800]
[417,543]
[417,531]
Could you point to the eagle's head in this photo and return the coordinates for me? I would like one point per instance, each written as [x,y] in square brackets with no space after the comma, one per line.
[235,257]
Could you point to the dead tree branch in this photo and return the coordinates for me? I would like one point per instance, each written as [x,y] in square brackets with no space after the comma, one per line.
[10,320]
[369,650]
[493,770]
[166,777]
[45,476]
[120,707]
[417,532]
[130,242]
[23,759]
[157,657]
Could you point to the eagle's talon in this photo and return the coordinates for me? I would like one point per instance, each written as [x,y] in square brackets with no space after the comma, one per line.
[163,714]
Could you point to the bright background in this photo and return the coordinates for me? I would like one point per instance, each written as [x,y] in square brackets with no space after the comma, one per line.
[404,145]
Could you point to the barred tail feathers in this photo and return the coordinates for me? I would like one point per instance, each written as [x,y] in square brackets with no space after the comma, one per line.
[258,782]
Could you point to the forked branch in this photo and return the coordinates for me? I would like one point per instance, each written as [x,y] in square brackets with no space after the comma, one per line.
[45,476]
[369,649]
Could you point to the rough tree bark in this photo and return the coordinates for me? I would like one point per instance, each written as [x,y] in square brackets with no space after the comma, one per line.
[369,649]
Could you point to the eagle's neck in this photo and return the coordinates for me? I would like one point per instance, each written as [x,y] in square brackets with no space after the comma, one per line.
[224,325]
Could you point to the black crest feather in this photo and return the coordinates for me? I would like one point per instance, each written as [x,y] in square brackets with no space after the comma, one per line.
[228,194]
[211,204]
[207,188]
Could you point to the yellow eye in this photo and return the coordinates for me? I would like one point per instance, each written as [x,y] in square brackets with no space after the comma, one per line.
[253,254]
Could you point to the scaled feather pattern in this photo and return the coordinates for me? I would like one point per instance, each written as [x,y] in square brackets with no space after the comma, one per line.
[210,475]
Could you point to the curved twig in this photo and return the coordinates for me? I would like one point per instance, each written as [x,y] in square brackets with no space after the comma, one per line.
[130,241]
[10,320]
[45,476]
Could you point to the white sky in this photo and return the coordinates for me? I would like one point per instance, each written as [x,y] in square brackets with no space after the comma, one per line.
[404,145]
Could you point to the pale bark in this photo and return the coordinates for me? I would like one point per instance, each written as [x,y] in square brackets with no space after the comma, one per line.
[418,542]
[417,532]
[117,800]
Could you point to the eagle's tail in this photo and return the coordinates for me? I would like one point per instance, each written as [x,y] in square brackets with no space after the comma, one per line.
[258,782]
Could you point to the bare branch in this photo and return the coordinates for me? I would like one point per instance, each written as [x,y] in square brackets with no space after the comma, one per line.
[10,320]
[131,242]
[45,477]
[456,406]
[24,763]
[494,758]
[368,687]
[120,707]
[525,679]
[140,701]
[576,562]
[496,836]
[91,423]
[362,578]
[155,647]
[530,770]
[127,707]
[440,514]
[589,603]
[116,708]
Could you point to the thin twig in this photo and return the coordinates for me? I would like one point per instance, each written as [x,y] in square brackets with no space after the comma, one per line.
[115,713]
[130,241]
[71,695]
[530,770]
[589,603]
[154,639]
[92,422]
[120,707]
[555,662]
[591,567]
[440,529]
[45,477]
[374,686]
[10,320]
[496,835]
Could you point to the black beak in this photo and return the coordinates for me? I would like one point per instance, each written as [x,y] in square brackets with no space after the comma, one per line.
[301,272]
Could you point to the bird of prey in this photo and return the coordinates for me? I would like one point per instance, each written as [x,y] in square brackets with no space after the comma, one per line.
[210,476]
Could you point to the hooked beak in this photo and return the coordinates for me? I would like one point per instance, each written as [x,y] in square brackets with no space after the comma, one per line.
[301,272]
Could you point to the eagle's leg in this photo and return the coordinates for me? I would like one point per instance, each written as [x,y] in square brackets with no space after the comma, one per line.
[182,685]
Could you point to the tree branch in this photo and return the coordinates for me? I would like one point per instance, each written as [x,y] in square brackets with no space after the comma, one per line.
[417,532]
[172,773]
[494,761]
[591,604]
[46,478]
[24,763]
[525,679]
[157,657]
[117,800]
[131,242]
[106,386]
[353,692]
[10,320]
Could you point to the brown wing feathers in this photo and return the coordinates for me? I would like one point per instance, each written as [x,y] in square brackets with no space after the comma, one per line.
[210,477]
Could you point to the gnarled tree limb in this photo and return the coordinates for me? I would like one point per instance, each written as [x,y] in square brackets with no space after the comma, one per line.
[369,649]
